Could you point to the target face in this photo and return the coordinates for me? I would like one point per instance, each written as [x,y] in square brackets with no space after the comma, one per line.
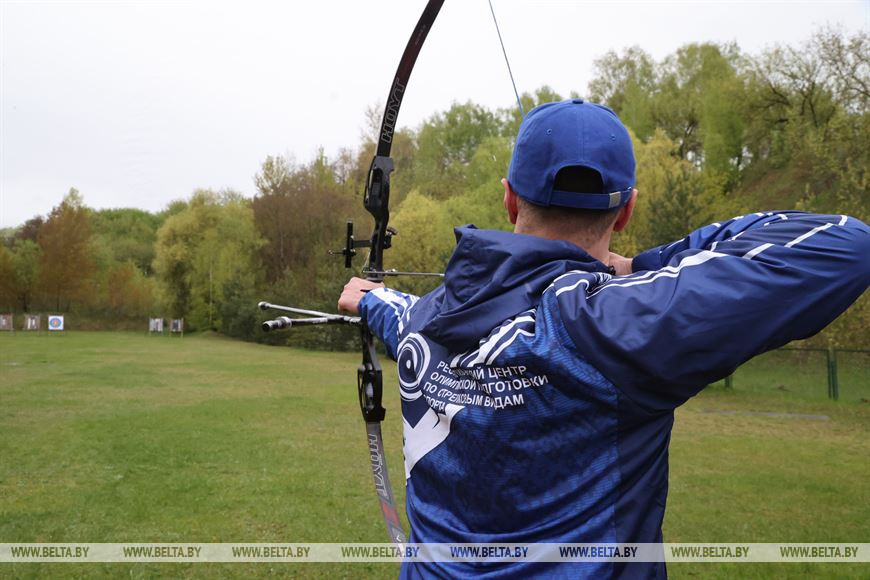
[55,322]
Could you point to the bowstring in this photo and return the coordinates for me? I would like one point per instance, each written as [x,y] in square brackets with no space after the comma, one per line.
[506,60]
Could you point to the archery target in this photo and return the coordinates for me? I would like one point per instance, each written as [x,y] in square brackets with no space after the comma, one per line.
[55,322]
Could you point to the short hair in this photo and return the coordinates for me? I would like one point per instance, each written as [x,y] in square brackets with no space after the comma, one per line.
[577,179]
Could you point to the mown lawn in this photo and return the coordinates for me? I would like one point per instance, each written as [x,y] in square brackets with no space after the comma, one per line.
[120,437]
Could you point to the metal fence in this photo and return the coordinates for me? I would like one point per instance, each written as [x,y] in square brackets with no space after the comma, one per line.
[814,373]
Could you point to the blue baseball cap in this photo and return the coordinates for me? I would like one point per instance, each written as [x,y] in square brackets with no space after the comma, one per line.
[572,133]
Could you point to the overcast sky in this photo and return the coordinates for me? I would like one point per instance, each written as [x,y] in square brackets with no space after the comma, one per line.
[139,103]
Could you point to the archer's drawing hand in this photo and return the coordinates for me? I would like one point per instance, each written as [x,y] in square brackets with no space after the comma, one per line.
[621,264]
[353,292]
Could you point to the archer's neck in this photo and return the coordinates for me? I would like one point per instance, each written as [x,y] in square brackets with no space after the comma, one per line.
[597,247]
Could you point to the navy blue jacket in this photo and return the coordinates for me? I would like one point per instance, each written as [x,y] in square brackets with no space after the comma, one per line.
[538,390]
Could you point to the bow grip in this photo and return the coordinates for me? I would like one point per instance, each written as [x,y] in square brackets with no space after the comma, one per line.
[377,196]
[370,387]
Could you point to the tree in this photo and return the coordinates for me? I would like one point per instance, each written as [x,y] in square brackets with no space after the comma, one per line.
[847,66]
[27,263]
[273,214]
[128,292]
[30,229]
[206,252]
[127,234]
[299,212]
[19,274]
[627,84]
[67,256]
[809,124]
[427,232]
[446,144]
[8,290]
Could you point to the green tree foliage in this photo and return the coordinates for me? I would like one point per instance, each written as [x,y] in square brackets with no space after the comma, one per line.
[27,267]
[300,212]
[128,235]
[206,254]
[811,125]
[446,144]
[30,229]
[627,84]
[67,255]
[128,292]
[19,275]
[427,245]
[695,96]
[717,133]
[296,210]
[8,287]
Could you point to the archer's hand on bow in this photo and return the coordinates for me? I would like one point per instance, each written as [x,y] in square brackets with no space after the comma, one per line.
[353,292]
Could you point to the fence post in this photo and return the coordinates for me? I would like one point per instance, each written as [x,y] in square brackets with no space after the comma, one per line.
[833,383]
[828,362]
[729,382]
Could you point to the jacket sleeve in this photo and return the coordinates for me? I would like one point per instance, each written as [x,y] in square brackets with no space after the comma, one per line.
[695,310]
[386,312]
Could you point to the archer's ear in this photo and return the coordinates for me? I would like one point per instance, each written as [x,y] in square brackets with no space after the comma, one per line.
[510,201]
[625,213]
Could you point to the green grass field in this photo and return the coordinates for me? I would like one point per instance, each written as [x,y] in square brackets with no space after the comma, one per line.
[790,374]
[119,437]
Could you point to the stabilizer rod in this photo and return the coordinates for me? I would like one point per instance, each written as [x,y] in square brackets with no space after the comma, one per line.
[284,322]
[335,318]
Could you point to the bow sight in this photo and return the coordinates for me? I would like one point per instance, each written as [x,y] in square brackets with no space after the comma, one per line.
[349,251]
